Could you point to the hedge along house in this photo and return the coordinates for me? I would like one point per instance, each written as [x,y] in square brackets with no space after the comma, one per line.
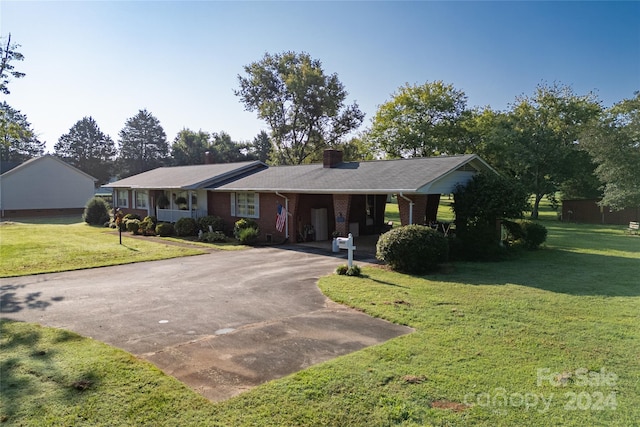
[314,200]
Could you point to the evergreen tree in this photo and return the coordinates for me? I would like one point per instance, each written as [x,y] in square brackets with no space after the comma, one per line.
[88,149]
[143,145]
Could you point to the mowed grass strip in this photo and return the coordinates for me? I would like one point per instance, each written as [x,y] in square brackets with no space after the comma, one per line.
[46,248]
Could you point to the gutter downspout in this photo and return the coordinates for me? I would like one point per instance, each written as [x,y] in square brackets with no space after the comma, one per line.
[410,207]
[286,219]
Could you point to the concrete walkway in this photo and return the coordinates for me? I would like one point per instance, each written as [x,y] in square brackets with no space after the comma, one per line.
[221,322]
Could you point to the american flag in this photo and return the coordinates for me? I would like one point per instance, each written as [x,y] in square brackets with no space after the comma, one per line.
[281,217]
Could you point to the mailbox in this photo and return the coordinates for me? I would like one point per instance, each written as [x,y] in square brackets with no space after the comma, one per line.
[343,242]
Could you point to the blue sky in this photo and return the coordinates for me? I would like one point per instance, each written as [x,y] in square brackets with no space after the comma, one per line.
[180,60]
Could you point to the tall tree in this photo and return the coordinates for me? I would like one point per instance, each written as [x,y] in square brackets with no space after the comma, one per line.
[9,54]
[538,142]
[262,147]
[614,143]
[420,121]
[143,144]
[88,149]
[303,106]
[225,150]
[18,142]
[189,147]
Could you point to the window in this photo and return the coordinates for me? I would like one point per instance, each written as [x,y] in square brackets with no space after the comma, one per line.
[141,199]
[123,198]
[245,205]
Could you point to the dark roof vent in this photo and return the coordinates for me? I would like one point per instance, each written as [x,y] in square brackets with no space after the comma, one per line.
[331,158]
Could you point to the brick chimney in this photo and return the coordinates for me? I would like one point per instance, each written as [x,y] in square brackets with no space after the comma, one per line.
[331,158]
[208,158]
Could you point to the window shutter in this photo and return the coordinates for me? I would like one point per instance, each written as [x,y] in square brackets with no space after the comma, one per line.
[233,204]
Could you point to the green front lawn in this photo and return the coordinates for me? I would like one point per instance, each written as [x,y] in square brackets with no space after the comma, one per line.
[489,339]
[45,248]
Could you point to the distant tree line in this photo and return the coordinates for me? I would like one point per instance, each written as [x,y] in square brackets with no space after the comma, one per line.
[551,142]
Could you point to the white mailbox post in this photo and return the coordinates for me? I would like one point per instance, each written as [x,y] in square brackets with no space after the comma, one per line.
[347,243]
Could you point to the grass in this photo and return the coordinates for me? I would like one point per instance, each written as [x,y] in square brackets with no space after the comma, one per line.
[45,248]
[485,334]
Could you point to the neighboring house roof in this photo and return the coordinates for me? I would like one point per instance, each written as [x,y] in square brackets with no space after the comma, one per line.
[188,177]
[46,157]
[420,175]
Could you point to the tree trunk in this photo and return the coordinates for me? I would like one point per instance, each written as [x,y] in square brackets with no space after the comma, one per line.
[536,206]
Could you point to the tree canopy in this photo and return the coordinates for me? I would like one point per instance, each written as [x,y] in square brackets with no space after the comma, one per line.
[536,141]
[420,121]
[143,144]
[303,106]
[614,143]
[88,148]
[189,147]
[18,142]
[9,54]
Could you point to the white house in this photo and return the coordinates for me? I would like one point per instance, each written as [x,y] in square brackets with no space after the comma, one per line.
[44,186]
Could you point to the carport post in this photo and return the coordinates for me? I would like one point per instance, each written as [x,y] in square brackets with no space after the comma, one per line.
[410,207]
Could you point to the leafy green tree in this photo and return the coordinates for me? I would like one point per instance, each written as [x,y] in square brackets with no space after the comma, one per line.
[261,147]
[143,144]
[225,150]
[614,143]
[303,106]
[9,54]
[189,147]
[17,141]
[479,206]
[88,148]
[536,141]
[421,121]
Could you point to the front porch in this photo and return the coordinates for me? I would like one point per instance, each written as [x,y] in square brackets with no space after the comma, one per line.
[173,215]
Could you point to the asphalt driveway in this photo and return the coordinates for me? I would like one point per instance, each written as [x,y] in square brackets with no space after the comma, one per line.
[222,322]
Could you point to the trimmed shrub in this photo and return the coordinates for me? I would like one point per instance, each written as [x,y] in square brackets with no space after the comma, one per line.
[248,236]
[131,216]
[535,234]
[186,227]
[216,223]
[165,229]
[133,225]
[242,224]
[413,249]
[148,226]
[96,212]
[213,237]
[344,270]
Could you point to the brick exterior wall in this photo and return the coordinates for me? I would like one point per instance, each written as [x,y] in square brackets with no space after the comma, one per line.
[342,205]
[419,209]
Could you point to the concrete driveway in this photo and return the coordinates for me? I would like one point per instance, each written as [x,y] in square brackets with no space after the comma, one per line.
[222,322]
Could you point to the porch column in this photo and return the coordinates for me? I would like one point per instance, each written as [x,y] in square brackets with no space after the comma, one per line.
[341,207]
[433,200]
[412,214]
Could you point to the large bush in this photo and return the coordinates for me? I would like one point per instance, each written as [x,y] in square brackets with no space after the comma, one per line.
[535,234]
[413,249]
[186,227]
[215,222]
[242,224]
[530,234]
[96,212]
[479,206]
[165,229]
[248,236]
